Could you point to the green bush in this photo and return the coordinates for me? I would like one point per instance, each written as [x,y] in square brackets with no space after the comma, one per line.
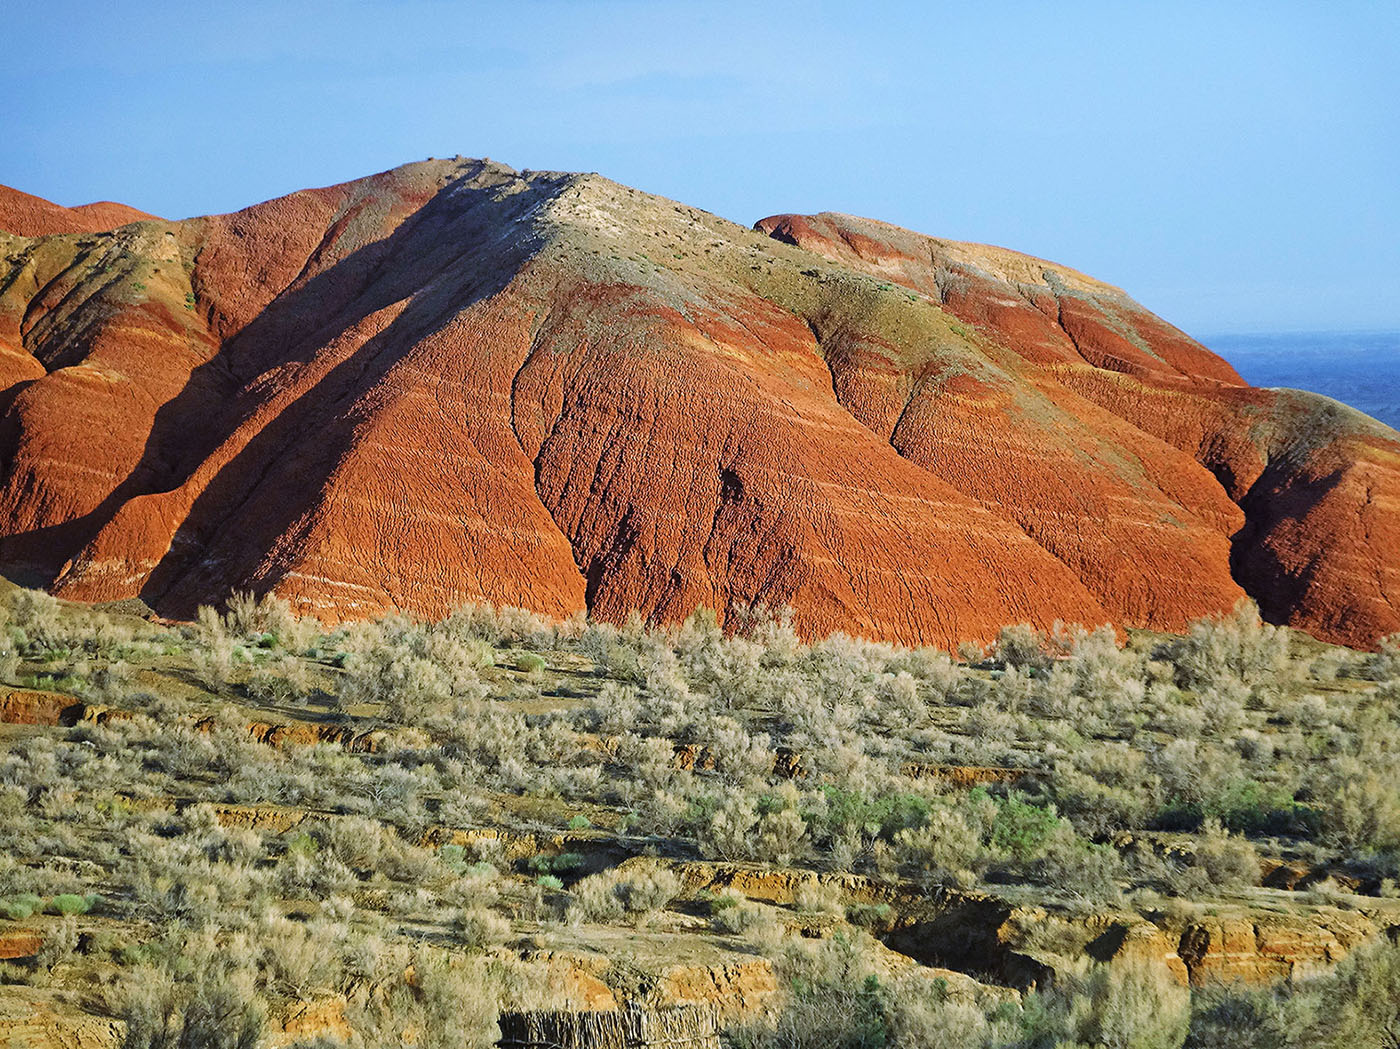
[1022,829]
[71,903]
[454,857]
[560,864]
[17,908]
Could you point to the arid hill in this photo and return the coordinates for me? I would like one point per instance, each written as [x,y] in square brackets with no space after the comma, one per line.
[31,216]
[454,381]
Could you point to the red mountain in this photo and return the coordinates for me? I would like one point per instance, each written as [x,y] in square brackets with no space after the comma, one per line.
[455,381]
[31,216]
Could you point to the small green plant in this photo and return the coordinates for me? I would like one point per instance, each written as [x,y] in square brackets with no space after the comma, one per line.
[454,858]
[69,903]
[549,882]
[530,663]
[17,908]
[580,822]
[564,863]
[302,844]
[870,915]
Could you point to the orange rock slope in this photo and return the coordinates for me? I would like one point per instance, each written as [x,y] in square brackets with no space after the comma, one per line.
[453,381]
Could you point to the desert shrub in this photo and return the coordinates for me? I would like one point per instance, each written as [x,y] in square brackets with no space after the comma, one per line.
[563,863]
[742,759]
[60,943]
[1384,664]
[279,681]
[1130,1005]
[418,673]
[635,894]
[733,912]
[725,828]
[988,724]
[815,897]
[837,998]
[1238,646]
[212,1008]
[37,616]
[110,681]
[870,916]
[770,627]
[447,1003]
[1105,787]
[1227,860]
[1079,869]
[919,1013]
[508,625]
[838,813]
[1360,804]
[1022,645]
[530,663]
[67,903]
[20,907]
[268,620]
[453,857]
[298,959]
[1236,1018]
[1357,1007]
[947,849]
[1021,830]
[478,927]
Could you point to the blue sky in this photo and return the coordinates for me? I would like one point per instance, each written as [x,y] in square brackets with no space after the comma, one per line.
[1234,166]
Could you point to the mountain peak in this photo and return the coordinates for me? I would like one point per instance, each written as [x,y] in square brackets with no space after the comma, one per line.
[455,381]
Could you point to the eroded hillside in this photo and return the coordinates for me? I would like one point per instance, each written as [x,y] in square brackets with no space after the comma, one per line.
[454,381]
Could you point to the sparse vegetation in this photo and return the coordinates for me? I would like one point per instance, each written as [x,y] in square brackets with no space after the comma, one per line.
[311,812]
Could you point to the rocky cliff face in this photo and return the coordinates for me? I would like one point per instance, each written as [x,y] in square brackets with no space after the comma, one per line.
[455,381]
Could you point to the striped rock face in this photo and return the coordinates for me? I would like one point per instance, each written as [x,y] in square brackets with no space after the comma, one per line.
[453,382]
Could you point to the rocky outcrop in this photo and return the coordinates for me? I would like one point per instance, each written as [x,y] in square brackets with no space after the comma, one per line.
[552,391]
[736,989]
[1260,950]
[39,1018]
[27,706]
[1023,946]
[18,941]
[298,1022]
[1251,946]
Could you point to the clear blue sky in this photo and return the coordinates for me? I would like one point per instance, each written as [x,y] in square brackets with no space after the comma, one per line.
[1234,166]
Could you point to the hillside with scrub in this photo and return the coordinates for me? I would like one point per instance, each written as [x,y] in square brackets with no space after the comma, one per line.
[256,830]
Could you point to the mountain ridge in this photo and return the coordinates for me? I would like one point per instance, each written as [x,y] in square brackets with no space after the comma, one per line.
[454,381]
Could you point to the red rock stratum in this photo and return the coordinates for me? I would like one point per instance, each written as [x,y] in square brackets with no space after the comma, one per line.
[453,381]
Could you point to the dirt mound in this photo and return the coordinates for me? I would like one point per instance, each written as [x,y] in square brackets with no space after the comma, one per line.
[30,216]
[453,381]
